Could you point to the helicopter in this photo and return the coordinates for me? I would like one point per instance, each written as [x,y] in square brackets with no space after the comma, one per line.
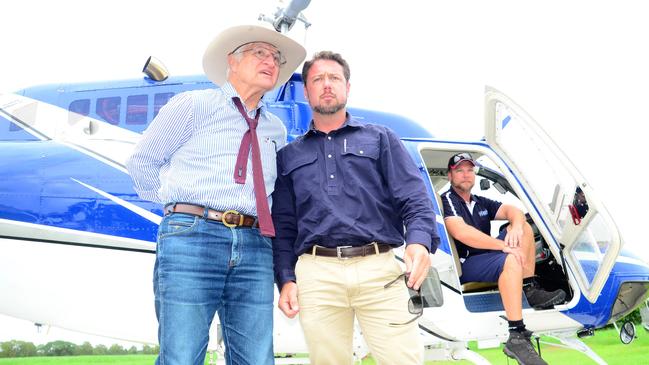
[83,244]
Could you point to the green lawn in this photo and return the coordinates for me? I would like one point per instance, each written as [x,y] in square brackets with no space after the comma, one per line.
[82,360]
[605,343]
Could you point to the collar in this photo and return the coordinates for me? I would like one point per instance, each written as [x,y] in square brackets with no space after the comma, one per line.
[471,197]
[349,122]
[229,91]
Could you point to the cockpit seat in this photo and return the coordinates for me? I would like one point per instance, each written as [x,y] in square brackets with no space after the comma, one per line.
[472,286]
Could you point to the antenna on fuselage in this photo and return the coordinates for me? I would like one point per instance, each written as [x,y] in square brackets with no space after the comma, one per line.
[285,18]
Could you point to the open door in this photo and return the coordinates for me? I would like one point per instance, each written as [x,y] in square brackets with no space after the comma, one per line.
[562,198]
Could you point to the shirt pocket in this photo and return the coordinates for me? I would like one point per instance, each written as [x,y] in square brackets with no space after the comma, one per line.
[363,149]
[360,156]
[299,164]
[360,166]
[303,171]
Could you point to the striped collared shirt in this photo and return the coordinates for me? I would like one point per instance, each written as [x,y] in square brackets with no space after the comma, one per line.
[188,152]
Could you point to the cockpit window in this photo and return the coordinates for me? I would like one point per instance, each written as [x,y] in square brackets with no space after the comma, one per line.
[108,109]
[136,109]
[81,106]
[77,109]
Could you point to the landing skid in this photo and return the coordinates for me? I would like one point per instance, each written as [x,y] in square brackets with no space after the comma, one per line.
[453,351]
[573,343]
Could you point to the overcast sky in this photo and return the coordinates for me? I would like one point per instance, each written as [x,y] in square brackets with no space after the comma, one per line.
[578,67]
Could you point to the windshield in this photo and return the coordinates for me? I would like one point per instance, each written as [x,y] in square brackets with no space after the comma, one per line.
[26,119]
[544,171]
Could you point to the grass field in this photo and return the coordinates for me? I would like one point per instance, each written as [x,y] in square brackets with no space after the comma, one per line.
[82,360]
[605,343]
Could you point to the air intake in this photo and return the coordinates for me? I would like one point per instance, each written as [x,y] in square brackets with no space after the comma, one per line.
[155,70]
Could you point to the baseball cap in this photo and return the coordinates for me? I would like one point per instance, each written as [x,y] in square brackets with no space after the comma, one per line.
[458,158]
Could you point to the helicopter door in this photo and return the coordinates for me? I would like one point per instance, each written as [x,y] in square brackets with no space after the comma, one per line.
[561,196]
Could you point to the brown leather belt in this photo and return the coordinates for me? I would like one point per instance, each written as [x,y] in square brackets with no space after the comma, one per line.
[346,252]
[230,218]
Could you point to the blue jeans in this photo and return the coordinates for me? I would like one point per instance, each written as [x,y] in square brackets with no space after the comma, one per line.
[203,267]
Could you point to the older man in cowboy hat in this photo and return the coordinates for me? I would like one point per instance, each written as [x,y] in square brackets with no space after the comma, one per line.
[209,157]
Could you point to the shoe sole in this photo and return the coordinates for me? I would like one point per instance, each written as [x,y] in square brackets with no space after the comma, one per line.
[511,355]
[551,302]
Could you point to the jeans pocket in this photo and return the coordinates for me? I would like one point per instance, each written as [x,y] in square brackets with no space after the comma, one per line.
[268,241]
[177,224]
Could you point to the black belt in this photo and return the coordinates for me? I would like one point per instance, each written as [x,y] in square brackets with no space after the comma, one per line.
[230,218]
[346,252]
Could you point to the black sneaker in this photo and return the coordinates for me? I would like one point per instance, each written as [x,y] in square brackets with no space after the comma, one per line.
[541,299]
[527,334]
[519,348]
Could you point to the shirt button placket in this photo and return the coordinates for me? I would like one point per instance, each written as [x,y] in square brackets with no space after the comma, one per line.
[330,164]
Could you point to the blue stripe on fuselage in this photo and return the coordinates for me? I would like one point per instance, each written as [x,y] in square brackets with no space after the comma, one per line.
[38,187]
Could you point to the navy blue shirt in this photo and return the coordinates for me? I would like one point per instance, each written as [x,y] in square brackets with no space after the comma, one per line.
[484,211]
[352,186]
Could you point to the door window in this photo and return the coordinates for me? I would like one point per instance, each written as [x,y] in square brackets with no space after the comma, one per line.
[561,195]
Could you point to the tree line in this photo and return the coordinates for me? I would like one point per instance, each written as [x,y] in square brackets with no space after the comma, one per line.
[15,348]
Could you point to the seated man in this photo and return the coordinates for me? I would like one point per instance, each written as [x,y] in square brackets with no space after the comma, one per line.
[508,259]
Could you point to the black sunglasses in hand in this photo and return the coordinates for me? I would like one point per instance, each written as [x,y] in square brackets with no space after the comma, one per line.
[415,303]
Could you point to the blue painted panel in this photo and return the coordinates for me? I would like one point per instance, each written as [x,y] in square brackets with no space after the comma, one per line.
[487,302]
[43,190]
[595,315]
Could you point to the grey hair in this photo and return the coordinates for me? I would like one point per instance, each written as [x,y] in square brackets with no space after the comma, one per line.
[237,56]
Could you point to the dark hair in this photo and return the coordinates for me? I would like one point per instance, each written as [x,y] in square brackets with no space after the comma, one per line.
[325,55]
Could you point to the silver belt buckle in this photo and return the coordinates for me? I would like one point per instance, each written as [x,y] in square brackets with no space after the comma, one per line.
[339,252]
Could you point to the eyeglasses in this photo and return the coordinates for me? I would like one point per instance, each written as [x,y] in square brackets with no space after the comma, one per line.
[415,302]
[262,53]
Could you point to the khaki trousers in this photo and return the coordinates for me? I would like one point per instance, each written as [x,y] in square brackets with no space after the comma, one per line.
[331,291]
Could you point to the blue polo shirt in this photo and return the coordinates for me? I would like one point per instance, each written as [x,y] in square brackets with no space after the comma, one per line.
[484,211]
[349,187]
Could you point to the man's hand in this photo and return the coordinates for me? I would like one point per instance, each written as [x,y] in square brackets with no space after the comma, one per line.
[417,262]
[288,299]
[514,236]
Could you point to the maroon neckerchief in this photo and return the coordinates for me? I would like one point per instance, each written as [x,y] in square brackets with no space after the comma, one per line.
[250,139]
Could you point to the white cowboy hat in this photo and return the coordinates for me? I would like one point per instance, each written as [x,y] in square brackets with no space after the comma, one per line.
[215,60]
